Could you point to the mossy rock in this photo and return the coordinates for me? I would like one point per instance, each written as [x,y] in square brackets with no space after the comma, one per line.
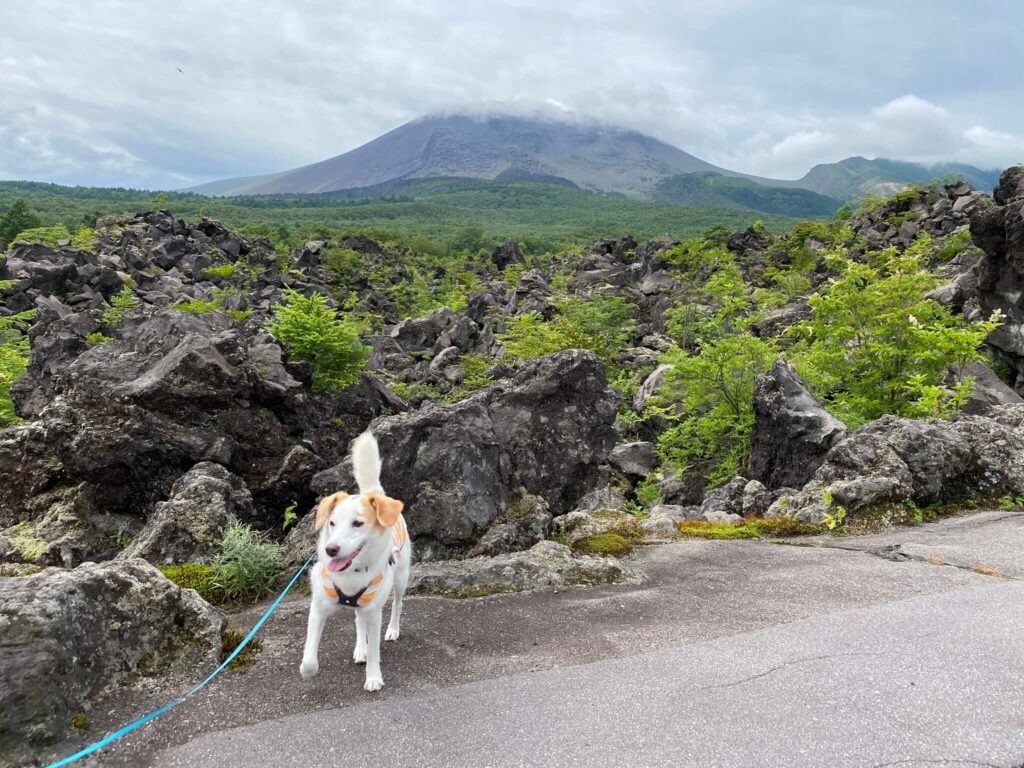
[230,640]
[603,544]
[195,576]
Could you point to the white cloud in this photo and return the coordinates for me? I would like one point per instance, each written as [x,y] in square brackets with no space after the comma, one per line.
[763,88]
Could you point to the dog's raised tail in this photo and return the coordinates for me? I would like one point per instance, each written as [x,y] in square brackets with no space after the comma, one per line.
[366,463]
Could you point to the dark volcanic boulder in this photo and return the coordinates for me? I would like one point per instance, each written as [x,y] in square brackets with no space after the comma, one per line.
[507,254]
[893,461]
[459,467]
[131,416]
[988,390]
[69,636]
[792,430]
[189,526]
[999,231]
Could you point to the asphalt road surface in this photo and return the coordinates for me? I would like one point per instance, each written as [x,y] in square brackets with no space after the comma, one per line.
[901,649]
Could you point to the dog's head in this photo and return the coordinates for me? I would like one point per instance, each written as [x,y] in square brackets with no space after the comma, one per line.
[354,529]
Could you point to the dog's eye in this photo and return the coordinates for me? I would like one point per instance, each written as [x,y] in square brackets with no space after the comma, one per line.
[356,523]
[332,523]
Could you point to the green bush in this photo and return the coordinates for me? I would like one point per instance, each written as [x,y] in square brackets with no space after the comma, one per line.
[120,305]
[48,236]
[93,339]
[247,566]
[14,354]
[599,323]
[875,345]
[197,306]
[710,396]
[18,218]
[316,334]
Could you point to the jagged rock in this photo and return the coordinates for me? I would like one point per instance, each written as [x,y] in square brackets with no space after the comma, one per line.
[726,498]
[650,386]
[722,517]
[756,499]
[676,512]
[892,461]
[636,460]
[507,254]
[189,526]
[71,636]
[792,430]
[546,564]
[459,467]
[999,231]
[527,522]
[988,390]
[659,525]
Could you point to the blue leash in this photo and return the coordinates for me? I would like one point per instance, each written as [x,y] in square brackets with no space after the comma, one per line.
[156,713]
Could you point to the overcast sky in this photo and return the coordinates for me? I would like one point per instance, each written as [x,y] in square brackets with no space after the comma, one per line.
[91,92]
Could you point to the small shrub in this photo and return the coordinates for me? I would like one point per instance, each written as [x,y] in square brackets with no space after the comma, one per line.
[316,334]
[197,306]
[14,354]
[647,493]
[290,516]
[248,564]
[84,239]
[48,236]
[238,314]
[223,271]
[94,339]
[120,305]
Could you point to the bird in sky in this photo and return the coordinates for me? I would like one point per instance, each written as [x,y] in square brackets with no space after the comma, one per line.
[180,70]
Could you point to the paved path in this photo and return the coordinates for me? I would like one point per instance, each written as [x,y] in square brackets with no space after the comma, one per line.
[729,653]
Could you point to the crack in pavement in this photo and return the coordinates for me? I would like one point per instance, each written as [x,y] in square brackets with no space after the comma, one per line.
[767,672]
[894,553]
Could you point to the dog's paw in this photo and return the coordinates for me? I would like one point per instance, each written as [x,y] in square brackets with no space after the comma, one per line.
[359,654]
[391,634]
[309,668]
[374,683]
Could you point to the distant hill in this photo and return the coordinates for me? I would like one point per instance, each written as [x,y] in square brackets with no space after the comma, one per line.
[714,189]
[588,155]
[857,176]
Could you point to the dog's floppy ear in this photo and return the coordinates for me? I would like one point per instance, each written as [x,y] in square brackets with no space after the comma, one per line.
[387,509]
[323,512]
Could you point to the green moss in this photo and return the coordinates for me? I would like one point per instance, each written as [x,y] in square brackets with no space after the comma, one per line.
[230,640]
[195,576]
[78,722]
[466,593]
[603,544]
[148,664]
[30,547]
[750,528]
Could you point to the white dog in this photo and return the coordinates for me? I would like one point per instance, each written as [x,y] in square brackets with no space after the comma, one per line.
[364,554]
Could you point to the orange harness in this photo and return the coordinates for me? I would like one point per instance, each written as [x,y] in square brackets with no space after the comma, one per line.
[399,536]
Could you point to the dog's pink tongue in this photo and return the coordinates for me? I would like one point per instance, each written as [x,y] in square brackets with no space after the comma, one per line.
[341,563]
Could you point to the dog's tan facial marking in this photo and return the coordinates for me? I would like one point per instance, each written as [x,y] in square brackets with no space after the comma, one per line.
[381,510]
[323,512]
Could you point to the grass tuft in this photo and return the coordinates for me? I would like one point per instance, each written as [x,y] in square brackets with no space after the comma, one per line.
[749,528]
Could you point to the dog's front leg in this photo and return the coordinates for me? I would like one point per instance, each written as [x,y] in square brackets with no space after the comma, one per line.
[374,680]
[314,628]
[359,653]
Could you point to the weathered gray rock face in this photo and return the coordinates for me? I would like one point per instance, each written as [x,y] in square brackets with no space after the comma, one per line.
[999,231]
[892,461]
[726,498]
[547,564]
[189,526]
[526,523]
[988,390]
[792,430]
[129,417]
[459,467]
[70,636]
[635,460]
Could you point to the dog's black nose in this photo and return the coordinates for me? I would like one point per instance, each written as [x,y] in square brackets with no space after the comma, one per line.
[331,550]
